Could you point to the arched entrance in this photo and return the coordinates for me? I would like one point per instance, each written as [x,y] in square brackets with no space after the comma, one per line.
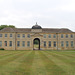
[36,44]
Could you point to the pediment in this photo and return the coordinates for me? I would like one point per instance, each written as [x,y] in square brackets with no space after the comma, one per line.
[36,34]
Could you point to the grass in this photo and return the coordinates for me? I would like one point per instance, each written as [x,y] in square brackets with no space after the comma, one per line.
[37,62]
[36,46]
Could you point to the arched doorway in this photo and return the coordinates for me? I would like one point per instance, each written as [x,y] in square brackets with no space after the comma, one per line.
[36,44]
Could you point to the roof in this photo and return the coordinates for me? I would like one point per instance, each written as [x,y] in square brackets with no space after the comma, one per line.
[50,30]
[36,26]
[56,30]
[7,29]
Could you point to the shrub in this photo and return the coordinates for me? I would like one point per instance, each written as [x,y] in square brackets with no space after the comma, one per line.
[1,48]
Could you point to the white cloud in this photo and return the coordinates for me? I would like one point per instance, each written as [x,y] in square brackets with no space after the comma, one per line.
[48,13]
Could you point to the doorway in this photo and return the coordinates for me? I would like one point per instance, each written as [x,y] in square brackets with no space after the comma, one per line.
[36,44]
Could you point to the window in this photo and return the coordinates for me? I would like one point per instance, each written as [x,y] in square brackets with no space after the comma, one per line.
[0,43]
[71,36]
[44,35]
[62,44]
[71,43]
[23,43]
[28,35]
[10,35]
[28,43]
[0,35]
[62,36]
[49,43]
[18,43]
[5,35]
[67,44]
[44,43]
[10,43]
[18,35]
[66,35]
[54,43]
[23,35]
[49,36]
[54,36]
[5,42]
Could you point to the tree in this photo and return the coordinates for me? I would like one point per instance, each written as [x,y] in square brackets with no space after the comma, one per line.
[11,26]
[36,42]
[4,26]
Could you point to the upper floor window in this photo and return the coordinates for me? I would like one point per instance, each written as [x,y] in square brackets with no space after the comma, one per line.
[18,35]
[66,35]
[28,35]
[10,35]
[71,35]
[23,35]
[54,36]
[44,35]
[49,35]
[62,36]
[0,35]
[5,35]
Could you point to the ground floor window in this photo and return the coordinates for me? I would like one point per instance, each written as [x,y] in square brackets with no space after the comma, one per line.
[54,43]
[44,43]
[71,43]
[62,43]
[23,43]
[49,43]
[5,42]
[0,43]
[67,43]
[18,43]
[28,43]
[10,43]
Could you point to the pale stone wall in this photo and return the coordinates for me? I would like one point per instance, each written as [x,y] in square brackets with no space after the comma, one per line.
[39,35]
[8,38]
[69,39]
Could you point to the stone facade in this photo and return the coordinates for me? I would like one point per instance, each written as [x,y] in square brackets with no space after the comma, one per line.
[49,38]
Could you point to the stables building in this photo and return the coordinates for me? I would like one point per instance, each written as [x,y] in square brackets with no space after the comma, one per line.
[48,38]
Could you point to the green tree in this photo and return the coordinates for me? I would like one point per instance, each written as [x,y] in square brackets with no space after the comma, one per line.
[11,26]
[36,42]
[4,26]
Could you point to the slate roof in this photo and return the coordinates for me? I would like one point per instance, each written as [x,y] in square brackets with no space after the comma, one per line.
[36,26]
[50,30]
[56,30]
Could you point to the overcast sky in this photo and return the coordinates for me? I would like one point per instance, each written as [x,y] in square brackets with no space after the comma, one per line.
[47,13]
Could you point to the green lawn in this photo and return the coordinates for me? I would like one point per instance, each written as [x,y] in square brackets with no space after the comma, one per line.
[37,62]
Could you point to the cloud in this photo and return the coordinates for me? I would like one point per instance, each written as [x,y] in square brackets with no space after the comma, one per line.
[48,13]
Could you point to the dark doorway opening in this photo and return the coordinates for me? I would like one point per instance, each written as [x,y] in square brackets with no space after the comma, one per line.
[36,44]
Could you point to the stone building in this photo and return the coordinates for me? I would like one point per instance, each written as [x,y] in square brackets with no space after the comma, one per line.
[48,38]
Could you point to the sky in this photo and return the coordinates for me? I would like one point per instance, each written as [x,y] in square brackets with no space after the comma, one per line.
[47,13]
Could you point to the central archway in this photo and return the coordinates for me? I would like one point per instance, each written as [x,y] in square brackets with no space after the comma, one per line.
[36,44]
